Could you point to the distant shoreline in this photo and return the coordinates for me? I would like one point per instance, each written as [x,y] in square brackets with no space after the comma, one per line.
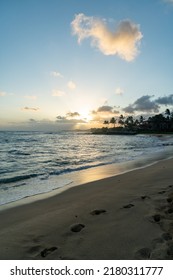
[117,131]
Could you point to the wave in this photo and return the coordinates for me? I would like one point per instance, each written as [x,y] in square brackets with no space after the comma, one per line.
[55,172]
[56,155]
[69,170]
[167,144]
[17,178]
[18,153]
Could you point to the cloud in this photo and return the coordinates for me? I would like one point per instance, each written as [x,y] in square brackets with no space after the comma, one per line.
[32,97]
[104,112]
[143,104]
[71,85]
[123,41]
[72,115]
[56,74]
[58,93]
[166,100]
[105,108]
[32,120]
[119,91]
[70,119]
[29,109]
[3,93]
[60,118]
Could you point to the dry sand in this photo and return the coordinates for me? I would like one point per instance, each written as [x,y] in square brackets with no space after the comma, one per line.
[129,216]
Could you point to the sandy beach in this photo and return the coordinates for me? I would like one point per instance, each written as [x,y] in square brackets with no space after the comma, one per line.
[128,216]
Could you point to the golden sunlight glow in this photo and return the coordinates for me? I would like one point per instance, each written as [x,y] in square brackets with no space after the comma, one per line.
[85,114]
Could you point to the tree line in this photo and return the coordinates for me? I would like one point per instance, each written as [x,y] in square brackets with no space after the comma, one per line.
[157,123]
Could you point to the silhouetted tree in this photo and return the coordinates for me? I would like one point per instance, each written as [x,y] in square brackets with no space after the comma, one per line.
[113,121]
[129,122]
[157,123]
[106,122]
[121,120]
[167,113]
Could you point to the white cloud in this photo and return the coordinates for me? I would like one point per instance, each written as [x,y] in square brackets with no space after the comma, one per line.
[119,91]
[57,92]
[56,74]
[123,41]
[71,85]
[32,97]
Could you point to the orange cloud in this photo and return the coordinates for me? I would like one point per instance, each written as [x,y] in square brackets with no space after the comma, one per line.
[123,41]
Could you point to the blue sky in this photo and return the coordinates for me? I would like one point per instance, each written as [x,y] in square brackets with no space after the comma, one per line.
[72,64]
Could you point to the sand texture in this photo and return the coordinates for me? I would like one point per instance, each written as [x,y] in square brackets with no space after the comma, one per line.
[129,216]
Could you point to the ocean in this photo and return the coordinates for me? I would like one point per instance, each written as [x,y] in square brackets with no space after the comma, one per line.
[32,163]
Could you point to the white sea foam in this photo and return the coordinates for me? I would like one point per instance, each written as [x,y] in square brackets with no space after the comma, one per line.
[34,163]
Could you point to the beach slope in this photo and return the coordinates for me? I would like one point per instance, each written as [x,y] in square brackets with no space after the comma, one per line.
[129,216]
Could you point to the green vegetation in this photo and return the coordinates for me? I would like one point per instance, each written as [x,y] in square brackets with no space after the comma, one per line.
[160,123]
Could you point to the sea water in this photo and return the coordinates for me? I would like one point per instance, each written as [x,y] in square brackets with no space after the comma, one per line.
[36,162]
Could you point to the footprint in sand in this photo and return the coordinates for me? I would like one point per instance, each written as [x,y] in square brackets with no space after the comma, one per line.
[97,212]
[143,254]
[130,205]
[167,236]
[161,192]
[170,250]
[47,251]
[77,227]
[34,249]
[164,238]
[157,241]
[169,211]
[169,199]
[143,197]
[157,218]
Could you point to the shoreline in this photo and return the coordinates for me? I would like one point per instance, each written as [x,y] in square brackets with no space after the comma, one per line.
[38,188]
[85,176]
[127,216]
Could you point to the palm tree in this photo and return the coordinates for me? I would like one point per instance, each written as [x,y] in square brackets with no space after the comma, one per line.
[129,122]
[167,113]
[113,121]
[121,120]
[106,123]
[141,120]
[158,122]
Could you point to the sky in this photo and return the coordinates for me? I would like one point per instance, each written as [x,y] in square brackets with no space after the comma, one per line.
[73,64]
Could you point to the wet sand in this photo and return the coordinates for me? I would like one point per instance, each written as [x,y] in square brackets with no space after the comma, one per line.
[128,216]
